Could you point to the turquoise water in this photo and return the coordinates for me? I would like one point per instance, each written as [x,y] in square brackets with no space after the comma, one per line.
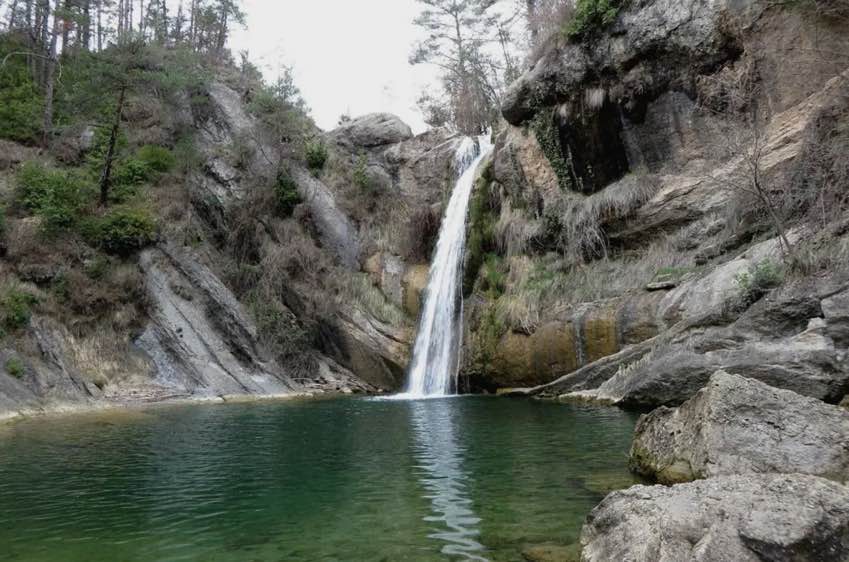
[349,479]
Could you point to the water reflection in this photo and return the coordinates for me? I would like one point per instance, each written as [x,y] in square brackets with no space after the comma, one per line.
[440,461]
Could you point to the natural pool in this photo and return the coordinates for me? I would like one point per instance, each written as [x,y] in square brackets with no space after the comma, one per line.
[346,479]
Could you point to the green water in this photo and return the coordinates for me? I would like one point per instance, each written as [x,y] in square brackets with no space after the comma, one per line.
[347,479]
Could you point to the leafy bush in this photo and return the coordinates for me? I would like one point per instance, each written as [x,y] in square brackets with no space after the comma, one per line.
[58,197]
[122,231]
[759,279]
[361,179]
[286,196]
[316,155]
[592,16]
[15,367]
[156,159]
[16,308]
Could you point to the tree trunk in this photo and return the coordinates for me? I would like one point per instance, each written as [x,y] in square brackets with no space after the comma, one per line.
[49,77]
[65,25]
[87,25]
[533,23]
[106,175]
[12,13]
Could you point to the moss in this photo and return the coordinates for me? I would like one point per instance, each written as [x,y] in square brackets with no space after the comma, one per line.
[544,127]
[481,239]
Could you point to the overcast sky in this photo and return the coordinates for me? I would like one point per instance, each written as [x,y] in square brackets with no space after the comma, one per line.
[349,56]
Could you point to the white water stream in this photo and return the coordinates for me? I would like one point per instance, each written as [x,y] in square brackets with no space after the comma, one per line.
[436,354]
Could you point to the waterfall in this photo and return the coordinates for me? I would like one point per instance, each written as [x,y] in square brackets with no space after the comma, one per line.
[436,353]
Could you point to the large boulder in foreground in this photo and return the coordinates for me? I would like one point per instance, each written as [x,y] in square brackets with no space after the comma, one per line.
[737,425]
[745,518]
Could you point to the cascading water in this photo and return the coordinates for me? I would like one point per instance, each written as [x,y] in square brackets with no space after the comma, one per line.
[436,353]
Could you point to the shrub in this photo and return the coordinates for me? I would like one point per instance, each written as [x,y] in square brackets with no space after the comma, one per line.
[759,279]
[16,308]
[122,231]
[156,159]
[316,155]
[286,196]
[592,16]
[15,367]
[58,197]
[361,179]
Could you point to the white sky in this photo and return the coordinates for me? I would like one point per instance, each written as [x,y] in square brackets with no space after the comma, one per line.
[348,56]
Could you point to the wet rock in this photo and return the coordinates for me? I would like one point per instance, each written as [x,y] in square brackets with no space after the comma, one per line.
[737,425]
[747,518]
[414,284]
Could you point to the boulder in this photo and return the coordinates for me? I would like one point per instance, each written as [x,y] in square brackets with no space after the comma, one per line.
[372,130]
[743,518]
[737,425]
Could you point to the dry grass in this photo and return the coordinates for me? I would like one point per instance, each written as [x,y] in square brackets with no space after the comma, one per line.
[357,289]
[582,219]
[544,287]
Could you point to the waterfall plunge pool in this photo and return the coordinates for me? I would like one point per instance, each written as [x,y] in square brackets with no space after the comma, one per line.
[471,478]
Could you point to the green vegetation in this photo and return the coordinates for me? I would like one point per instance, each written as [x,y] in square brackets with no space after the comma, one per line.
[15,367]
[493,280]
[286,196]
[16,308]
[759,280]
[122,230]
[316,155]
[59,197]
[544,127]
[481,239]
[155,159]
[591,17]
[361,179]
[22,106]
[281,332]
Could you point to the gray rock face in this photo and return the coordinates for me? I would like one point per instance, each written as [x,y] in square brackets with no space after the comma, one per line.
[807,363]
[736,425]
[748,518]
[335,228]
[374,129]
[200,341]
[661,28]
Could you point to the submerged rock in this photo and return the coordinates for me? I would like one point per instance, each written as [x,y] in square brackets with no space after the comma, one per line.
[747,518]
[738,425]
